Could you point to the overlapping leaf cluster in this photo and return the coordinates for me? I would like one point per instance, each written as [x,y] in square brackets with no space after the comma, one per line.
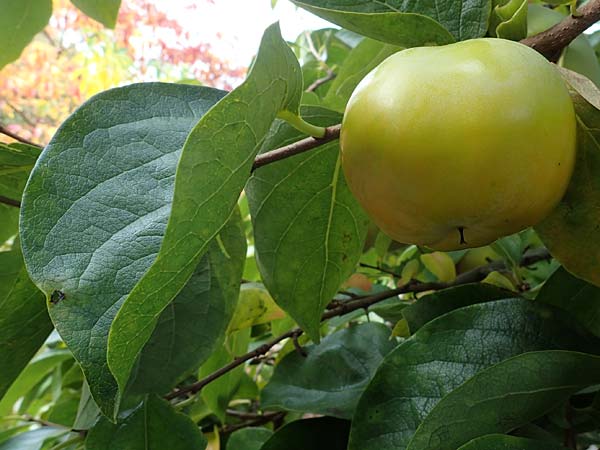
[143,217]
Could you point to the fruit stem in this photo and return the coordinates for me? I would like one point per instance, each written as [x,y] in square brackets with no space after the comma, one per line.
[301,125]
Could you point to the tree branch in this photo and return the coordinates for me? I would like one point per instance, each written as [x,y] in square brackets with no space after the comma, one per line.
[551,42]
[10,201]
[7,132]
[414,286]
[254,422]
[331,133]
[321,81]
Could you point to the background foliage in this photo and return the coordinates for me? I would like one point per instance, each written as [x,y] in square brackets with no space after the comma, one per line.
[159,288]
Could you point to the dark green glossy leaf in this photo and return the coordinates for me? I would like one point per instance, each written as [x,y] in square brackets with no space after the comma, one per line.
[502,442]
[96,208]
[441,302]
[154,425]
[571,231]
[191,326]
[408,24]
[308,228]
[215,164]
[24,321]
[333,375]
[578,298]
[505,396]
[441,356]
[360,61]
[20,21]
[323,433]
[248,439]
[104,11]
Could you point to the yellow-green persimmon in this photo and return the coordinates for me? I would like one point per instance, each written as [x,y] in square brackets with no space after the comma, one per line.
[455,146]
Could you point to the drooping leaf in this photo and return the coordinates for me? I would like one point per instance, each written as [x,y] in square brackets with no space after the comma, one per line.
[248,438]
[583,85]
[255,307]
[104,11]
[24,321]
[96,207]
[441,356]
[308,228]
[408,24]
[505,396]
[217,394]
[153,425]
[191,326]
[333,375]
[438,303]
[571,231]
[323,433]
[36,370]
[503,442]
[20,21]
[215,164]
[578,298]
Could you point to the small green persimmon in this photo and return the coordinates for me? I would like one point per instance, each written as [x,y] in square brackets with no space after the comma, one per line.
[455,146]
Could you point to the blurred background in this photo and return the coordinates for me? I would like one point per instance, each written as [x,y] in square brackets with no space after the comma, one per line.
[210,42]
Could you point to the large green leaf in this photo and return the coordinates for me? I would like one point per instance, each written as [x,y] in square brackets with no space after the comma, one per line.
[20,21]
[442,355]
[503,442]
[323,433]
[505,396]
[153,425]
[580,299]
[333,375]
[248,439]
[104,11]
[437,303]
[360,61]
[571,231]
[24,321]
[191,326]
[36,370]
[215,164]
[96,207]
[308,228]
[408,24]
